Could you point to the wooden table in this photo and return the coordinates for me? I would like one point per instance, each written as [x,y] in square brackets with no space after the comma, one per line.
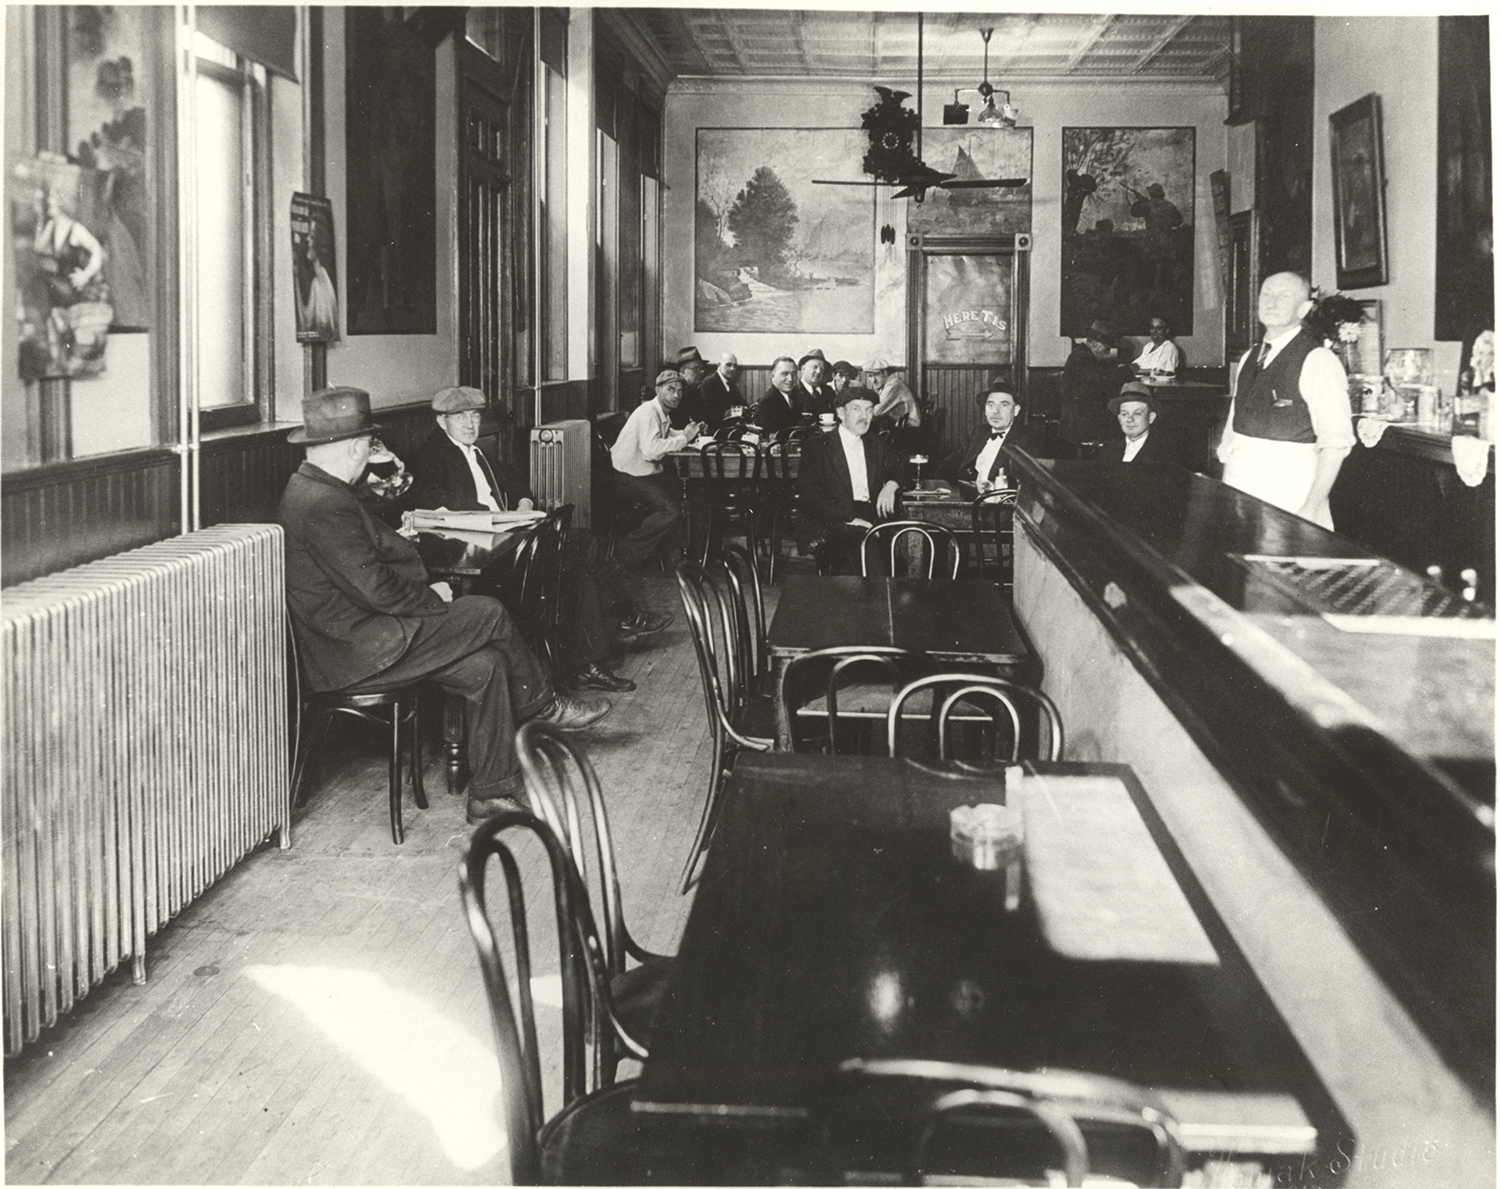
[965,621]
[832,922]
[471,563]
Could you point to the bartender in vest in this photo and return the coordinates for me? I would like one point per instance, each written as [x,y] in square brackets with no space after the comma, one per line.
[1289,427]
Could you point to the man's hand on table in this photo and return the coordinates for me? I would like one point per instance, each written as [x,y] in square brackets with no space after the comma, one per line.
[885,502]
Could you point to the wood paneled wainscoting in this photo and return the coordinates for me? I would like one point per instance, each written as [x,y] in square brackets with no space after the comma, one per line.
[68,513]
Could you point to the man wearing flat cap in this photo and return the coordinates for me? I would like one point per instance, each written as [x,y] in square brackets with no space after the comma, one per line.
[609,609]
[1090,377]
[366,617]
[895,402]
[846,481]
[1142,445]
[640,477]
[813,396]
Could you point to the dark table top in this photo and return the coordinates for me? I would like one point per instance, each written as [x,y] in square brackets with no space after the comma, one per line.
[833,922]
[457,553]
[965,620]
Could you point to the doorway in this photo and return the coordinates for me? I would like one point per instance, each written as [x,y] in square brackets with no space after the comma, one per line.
[966,326]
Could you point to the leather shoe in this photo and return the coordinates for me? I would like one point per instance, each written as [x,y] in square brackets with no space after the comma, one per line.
[573,714]
[596,676]
[482,808]
[642,624]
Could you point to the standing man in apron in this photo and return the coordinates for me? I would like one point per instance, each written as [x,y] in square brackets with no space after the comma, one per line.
[1289,426]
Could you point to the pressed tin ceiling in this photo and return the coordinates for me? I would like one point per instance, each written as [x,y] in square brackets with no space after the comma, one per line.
[871,46]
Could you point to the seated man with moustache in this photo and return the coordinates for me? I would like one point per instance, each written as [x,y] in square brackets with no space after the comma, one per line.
[1142,444]
[846,481]
[980,460]
[452,472]
[367,619]
[720,391]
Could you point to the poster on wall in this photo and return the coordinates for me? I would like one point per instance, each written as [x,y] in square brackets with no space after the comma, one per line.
[317,298]
[975,153]
[968,309]
[63,307]
[108,97]
[391,149]
[773,252]
[1127,228]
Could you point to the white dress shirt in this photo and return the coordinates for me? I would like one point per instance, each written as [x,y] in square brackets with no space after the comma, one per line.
[482,487]
[854,451]
[988,453]
[1133,446]
[1165,358]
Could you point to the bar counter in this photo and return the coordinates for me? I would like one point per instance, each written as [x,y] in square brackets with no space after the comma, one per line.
[1333,790]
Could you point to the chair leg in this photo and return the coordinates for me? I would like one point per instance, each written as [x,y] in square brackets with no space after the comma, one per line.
[700,839]
[312,741]
[418,790]
[397,834]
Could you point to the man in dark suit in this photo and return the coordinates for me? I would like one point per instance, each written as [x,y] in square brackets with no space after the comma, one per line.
[366,618]
[692,368]
[1142,445]
[846,480]
[980,460]
[781,407]
[720,391]
[1091,375]
[453,472]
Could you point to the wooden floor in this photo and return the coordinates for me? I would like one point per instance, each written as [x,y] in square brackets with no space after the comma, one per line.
[318,1016]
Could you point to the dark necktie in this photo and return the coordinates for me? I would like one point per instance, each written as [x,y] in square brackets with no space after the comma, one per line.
[1265,350]
[484,465]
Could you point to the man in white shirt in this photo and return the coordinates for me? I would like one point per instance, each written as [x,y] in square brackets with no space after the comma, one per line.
[1161,356]
[846,480]
[637,455]
[1289,427]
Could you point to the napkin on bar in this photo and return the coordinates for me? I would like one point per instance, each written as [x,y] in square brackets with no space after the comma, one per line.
[1471,458]
[1370,431]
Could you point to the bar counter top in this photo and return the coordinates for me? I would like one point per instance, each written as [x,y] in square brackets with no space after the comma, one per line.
[1367,755]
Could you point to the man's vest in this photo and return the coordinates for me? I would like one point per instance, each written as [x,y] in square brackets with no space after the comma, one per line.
[1269,403]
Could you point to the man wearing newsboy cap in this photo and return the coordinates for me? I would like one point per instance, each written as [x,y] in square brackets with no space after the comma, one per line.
[453,472]
[366,618]
[640,478]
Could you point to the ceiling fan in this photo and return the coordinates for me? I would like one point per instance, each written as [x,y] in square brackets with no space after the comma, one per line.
[895,155]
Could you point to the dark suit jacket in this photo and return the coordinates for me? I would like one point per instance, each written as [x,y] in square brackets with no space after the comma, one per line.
[1085,390]
[356,590]
[717,398]
[960,464]
[825,492]
[443,478]
[816,400]
[773,413]
[1158,450]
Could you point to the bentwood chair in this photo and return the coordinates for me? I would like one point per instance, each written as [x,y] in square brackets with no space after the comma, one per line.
[747,601]
[534,592]
[731,469]
[908,548]
[857,684]
[736,721]
[596,1138]
[781,458]
[395,708]
[565,792]
[920,1122]
[993,519]
[955,697]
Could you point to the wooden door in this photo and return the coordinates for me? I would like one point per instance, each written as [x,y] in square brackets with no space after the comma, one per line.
[483,228]
[966,325]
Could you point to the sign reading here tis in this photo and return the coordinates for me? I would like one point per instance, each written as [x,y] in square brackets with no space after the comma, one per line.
[978,323]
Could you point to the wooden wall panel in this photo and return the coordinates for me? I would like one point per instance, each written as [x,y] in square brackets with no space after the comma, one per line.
[59,516]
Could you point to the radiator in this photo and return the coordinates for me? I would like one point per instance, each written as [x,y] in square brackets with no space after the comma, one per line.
[561,454]
[145,752]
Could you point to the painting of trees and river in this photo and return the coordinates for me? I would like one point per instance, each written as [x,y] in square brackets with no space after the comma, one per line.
[772,251]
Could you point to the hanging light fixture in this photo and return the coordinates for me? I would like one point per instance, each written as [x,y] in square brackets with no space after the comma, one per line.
[1003,116]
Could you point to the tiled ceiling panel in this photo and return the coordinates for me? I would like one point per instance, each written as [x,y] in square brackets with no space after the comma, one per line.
[782,43]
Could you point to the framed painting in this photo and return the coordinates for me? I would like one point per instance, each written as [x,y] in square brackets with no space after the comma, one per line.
[1127,228]
[1358,194]
[973,154]
[773,252]
[390,129]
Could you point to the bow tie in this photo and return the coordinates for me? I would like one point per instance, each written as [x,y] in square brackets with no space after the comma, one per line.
[996,434]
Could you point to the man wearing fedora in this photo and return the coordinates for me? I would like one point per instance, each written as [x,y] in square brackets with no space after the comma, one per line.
[1090,377]
[980,460]
[1142,445]
[813,395]
[366,618]
[453,472]
[692,368]
[847,481]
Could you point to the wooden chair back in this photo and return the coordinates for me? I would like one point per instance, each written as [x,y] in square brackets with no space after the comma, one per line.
[888,539]
[952,692]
